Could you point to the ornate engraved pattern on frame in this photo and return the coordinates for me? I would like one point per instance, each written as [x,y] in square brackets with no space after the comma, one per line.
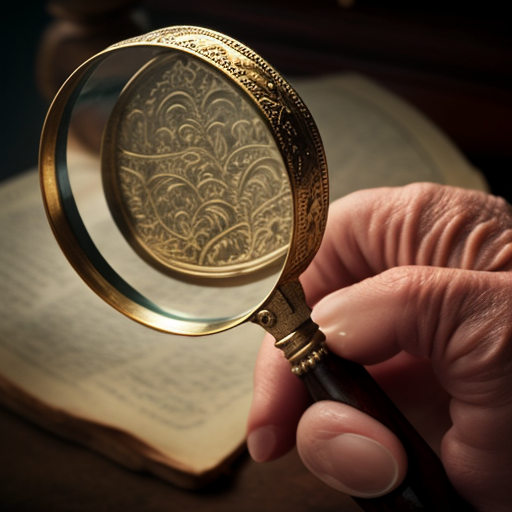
[192,174]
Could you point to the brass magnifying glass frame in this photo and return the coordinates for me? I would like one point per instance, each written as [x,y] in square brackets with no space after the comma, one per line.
[283,312]
[281,109]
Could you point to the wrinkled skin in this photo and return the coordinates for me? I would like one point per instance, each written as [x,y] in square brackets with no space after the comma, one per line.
[414,281]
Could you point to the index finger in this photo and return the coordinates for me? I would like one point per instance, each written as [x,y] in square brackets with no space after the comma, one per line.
[279,399]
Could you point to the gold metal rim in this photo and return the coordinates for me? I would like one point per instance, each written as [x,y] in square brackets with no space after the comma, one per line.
[296,136]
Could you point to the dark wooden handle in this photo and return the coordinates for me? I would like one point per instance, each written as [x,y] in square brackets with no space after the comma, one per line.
[426,486]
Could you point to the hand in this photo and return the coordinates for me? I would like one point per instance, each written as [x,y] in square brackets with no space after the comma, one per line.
[415,283]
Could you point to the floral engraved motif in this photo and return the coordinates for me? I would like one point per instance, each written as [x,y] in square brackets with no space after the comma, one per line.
[192,174]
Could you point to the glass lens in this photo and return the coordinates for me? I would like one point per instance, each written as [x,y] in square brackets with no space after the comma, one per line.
[182,198]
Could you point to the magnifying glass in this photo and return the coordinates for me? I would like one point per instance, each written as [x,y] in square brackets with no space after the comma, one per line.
[213,200]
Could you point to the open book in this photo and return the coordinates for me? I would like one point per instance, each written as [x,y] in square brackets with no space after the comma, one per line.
[173,406]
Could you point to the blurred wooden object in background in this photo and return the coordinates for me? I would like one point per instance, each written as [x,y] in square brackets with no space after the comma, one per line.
[79,31]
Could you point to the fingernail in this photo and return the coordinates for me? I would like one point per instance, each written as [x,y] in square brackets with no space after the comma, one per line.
[261,443]
[327,314]
[355,465]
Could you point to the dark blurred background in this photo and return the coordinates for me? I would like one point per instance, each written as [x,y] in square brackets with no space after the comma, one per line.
[451,60]
[23,107]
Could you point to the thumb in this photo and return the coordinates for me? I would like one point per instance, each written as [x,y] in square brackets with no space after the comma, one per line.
[350,451]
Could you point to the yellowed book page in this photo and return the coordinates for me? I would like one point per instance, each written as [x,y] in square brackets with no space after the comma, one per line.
[373,138]
[187,397]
